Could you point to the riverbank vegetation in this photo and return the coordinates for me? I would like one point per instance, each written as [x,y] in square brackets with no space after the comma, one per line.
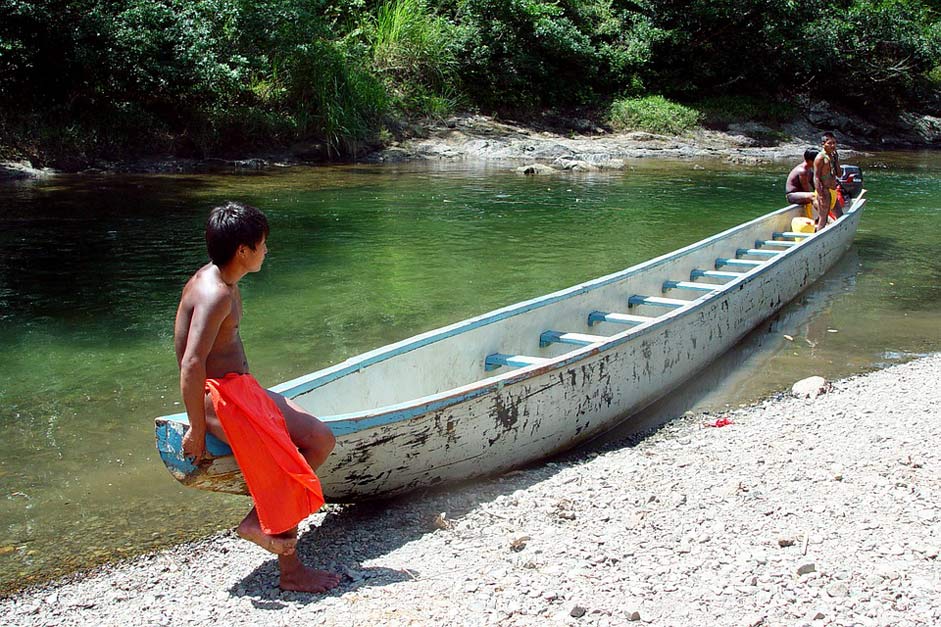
[86,79]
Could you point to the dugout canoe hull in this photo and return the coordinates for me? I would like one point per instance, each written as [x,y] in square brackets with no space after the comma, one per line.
[427,410]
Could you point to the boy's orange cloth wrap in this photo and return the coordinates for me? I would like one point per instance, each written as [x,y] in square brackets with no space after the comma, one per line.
[282,484]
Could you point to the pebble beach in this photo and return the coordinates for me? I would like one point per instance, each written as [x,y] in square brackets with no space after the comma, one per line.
[798,511]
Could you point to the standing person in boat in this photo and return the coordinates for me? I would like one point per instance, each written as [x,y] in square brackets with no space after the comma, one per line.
[826,181]
[277,445]
[799,187]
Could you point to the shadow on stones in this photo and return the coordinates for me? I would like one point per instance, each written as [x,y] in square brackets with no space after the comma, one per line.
[353,534]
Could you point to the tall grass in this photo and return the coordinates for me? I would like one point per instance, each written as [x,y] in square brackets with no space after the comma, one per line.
[412,49]
[653,114]
[407,38]
[329,93]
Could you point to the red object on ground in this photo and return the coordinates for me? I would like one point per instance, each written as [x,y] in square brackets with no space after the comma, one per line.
[282,484]
[721,422]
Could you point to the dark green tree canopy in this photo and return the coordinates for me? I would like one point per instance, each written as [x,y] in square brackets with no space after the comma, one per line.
[207,75]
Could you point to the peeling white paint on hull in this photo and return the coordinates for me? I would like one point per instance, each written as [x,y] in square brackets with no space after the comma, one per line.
[431,413]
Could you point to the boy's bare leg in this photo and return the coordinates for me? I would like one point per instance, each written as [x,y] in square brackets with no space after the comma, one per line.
[315,441]
[822,205]
[313,438]
[280,544]
[250,527]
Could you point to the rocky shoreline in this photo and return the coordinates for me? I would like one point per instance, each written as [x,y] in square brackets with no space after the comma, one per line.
[534,148]
[802,511]
[534,151]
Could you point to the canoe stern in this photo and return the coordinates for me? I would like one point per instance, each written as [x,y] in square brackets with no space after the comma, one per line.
[217,472]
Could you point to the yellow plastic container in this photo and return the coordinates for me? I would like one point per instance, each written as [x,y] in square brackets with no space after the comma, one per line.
[802,225]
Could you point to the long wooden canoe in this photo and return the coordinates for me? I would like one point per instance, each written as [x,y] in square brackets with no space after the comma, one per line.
[532,379]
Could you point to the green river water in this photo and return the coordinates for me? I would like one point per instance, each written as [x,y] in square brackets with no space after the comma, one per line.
[91,268]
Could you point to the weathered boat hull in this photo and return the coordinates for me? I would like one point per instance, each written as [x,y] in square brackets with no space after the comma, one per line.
[500,422]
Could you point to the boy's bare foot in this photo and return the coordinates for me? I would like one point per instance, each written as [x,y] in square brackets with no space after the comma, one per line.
[298,578]
[250,529]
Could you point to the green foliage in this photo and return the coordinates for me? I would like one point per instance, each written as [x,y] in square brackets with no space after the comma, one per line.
[880,49]
[117,77]
[934,76]
[413,50]
[329,92]
[725,110]
[712,47]
[654,114]
[522,53]
[217,74]
[856,51]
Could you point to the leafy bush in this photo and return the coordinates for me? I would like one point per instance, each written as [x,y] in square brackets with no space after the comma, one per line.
[523,53]
[879,50]
[219,74]
[716,47]
[725,110]
[328,93]
[654,114]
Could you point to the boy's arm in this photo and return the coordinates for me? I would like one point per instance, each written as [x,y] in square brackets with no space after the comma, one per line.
[818,170]
[207,318]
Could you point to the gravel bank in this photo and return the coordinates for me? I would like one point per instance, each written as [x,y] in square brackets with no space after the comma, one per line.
[802,512]
[483,138]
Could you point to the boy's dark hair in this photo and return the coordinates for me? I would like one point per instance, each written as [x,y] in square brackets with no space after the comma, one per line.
[828,135]
[231,225]
[810,154]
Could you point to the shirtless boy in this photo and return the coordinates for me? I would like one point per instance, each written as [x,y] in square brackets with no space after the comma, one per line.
[799,187]
[826,172]
[276,443]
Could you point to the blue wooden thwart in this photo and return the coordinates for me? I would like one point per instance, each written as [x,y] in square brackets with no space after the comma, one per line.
[561,337]
[713,274]
[618,318]
[495,360]
[741,263]
[757,252]
[687,285]
[774,242]
[789,234]
[656,301]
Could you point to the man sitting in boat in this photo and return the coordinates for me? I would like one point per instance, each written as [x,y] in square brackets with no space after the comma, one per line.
[277,445]
[799,188]
[826,181]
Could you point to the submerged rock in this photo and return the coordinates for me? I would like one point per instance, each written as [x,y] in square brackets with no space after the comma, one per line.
[535,169]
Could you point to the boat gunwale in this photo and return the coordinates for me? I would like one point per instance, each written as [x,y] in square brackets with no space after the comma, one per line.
[390,414]
[306,383]
[387,414]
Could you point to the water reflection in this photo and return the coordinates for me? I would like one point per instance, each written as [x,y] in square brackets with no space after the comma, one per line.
[746,372]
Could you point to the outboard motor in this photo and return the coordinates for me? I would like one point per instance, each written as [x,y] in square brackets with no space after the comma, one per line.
[851,182]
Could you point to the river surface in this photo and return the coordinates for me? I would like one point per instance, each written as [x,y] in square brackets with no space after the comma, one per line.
[91,268]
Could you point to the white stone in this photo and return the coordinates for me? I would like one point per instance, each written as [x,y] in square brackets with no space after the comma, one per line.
[811,387]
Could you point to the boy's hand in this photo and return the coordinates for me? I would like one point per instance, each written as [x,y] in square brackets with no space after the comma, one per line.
[194,444]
